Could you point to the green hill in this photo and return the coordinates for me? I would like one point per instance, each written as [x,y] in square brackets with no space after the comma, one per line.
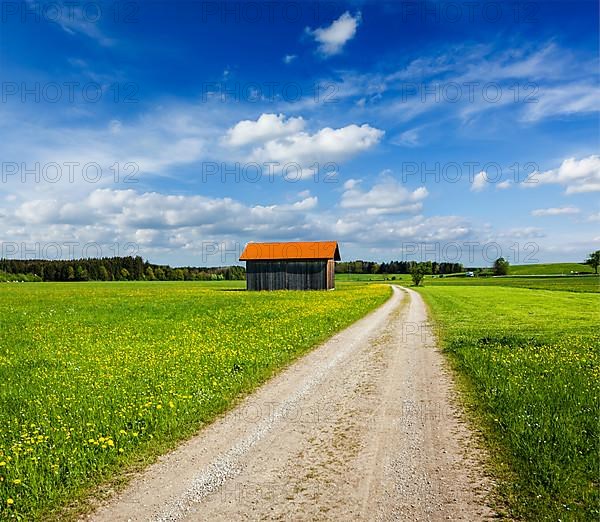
[550,269]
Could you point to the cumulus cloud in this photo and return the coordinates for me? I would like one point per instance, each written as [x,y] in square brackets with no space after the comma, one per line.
[479,182]
[387,232]
[284,142]
[578,176]
[556,211]
[178,225]
[325,145]
[386,197]
[266,127]
[289,58]
[154,218]
[332,39]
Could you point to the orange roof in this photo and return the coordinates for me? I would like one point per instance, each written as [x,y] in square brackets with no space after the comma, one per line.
[293,250]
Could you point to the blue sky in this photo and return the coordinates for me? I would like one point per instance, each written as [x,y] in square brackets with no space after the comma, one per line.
[405,130]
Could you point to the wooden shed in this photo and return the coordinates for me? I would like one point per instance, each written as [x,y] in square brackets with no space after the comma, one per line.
[291,266]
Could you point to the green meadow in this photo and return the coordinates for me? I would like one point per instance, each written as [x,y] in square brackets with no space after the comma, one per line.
[550,269]
[99,378]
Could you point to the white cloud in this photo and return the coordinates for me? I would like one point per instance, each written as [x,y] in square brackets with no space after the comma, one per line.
[571,98]
[503,185]
[578,176]
[521,233]
[38,211]
[386,197]
[152,143]
[326,145]
[376,230]
[267,127]
[284,142]
[409,138]
[179,225]
[552,82]
[332,39]
[594,217]
[289,58]
[128,210]
[556,211]
[479,182]
[351,183]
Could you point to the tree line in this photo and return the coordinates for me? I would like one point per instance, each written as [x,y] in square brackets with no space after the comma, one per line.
[396,267]
[110,269]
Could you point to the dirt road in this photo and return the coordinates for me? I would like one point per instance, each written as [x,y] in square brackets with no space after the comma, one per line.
[362,428]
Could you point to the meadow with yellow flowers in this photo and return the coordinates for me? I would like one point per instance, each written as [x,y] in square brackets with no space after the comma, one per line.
[97,378]
[531,366]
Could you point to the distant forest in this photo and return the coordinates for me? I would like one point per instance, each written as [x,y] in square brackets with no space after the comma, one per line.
[136,269]
[395,267]
[110,269]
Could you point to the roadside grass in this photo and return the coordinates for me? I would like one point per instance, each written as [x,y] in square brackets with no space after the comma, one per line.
[530,360]
[97,379]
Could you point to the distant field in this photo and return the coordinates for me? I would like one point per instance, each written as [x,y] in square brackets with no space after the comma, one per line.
[97,377]
[550,269]
[568,284]
[531,359]
[589,283]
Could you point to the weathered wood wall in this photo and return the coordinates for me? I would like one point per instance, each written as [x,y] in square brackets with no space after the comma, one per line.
[330,274]
[289,275]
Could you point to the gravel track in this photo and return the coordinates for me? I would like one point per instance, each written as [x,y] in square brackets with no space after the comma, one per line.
[365,427]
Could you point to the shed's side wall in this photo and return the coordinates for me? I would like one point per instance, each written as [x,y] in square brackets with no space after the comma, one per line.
[287,275]
[330,274]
